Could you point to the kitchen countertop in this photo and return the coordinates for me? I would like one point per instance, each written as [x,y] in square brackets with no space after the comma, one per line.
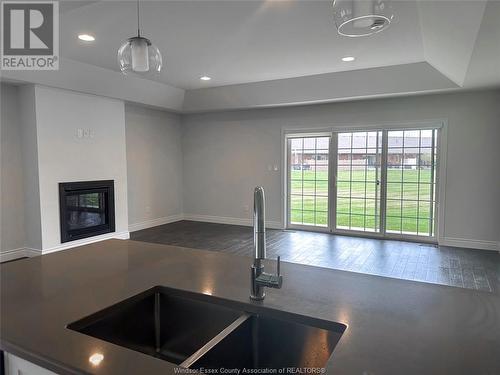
[394,326]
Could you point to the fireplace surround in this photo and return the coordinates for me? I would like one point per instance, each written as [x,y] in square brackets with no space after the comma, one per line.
[87,209]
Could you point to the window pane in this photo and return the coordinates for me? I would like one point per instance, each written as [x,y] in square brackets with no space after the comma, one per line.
[409,225]
[344,140]
[358,189]
[322,187]
[296,202]
[343,188]
[342,221]
[358,170]
[308,171]
[410,191]
[424,226]
[296,186]
[395,139]
[371,206]
[296,217]
[308,217]
[308,203]
[409,208]
[394,174]
[322,204]
[393,207]
[394,190]
[413,148]
[393,224]
[371,223]
[321,218]
[425,192]
[309,143]
[343,205]
[357,222]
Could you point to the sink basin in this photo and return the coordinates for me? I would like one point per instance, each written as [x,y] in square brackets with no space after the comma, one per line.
[170,326]
[261,342]
[198,331]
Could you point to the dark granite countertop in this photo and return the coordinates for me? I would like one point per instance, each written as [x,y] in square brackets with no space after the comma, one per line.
[394,326]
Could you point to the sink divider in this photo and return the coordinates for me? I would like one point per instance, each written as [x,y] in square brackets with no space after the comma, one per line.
[218,338]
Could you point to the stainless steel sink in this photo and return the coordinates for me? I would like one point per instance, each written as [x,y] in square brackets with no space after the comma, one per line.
[168,325]
[198,331]
[261,342]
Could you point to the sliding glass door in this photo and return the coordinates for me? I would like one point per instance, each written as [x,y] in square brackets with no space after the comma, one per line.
[358,176]
[411,182]
[308,185]
[377,181]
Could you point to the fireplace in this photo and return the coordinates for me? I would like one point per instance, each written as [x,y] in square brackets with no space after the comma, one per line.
[86,209]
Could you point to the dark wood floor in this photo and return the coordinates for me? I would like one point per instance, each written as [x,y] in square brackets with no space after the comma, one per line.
[465,268]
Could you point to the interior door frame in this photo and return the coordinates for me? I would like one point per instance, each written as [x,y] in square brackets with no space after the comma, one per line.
[440,176]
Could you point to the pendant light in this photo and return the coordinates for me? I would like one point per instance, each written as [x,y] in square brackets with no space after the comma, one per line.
[357,18]
[138,54]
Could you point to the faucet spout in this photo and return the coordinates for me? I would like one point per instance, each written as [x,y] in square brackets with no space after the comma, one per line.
[259,223]
[260,279]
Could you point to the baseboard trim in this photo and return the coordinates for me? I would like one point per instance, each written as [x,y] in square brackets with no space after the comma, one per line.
[230,220]
[154,222]
[125,235]
[18,253]
[471,244]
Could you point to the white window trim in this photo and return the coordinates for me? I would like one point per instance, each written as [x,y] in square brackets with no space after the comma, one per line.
[321,130]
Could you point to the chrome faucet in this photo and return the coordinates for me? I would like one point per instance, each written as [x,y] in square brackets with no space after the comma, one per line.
[260,279]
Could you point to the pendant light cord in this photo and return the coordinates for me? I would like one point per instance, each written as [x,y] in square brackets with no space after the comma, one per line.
[138,20]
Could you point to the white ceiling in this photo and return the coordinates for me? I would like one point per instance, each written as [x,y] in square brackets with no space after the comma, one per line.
[239,41]
[275,52]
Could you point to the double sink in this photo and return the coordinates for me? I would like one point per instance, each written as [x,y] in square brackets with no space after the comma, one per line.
[199,331]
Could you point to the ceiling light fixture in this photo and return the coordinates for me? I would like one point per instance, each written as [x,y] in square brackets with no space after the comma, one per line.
[348,58]
[138,54]
[86,37]
[96,359]
[356,18]
[205,78]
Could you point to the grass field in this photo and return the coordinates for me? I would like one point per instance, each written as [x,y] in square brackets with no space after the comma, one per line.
[358,199]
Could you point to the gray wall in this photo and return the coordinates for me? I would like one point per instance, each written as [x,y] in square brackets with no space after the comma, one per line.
[227,153]
[154,166]
[12,234]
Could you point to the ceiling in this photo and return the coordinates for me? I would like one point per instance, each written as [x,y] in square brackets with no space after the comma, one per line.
[238,41]
[277,52]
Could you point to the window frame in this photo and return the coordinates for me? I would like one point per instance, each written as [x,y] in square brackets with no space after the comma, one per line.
[440,178]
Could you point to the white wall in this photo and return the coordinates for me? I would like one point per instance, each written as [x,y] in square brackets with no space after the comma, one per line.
[226,154]
[29,149]
[154,166]
[12,234]
[63,157]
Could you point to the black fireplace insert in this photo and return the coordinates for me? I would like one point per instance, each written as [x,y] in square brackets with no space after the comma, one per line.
[87,209]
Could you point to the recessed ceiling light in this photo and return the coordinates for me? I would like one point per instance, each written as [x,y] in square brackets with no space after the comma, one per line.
[205,78]
[96,359]
[348,58]
[86,37]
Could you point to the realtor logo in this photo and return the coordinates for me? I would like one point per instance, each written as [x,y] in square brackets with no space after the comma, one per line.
[30,35]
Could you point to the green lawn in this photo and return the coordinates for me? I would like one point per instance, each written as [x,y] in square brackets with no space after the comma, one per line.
[309,199]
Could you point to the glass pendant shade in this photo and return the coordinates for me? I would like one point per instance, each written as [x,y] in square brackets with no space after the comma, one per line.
[357,18]
[139,55]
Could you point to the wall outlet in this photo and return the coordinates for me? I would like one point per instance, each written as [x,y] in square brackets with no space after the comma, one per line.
[84,133]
